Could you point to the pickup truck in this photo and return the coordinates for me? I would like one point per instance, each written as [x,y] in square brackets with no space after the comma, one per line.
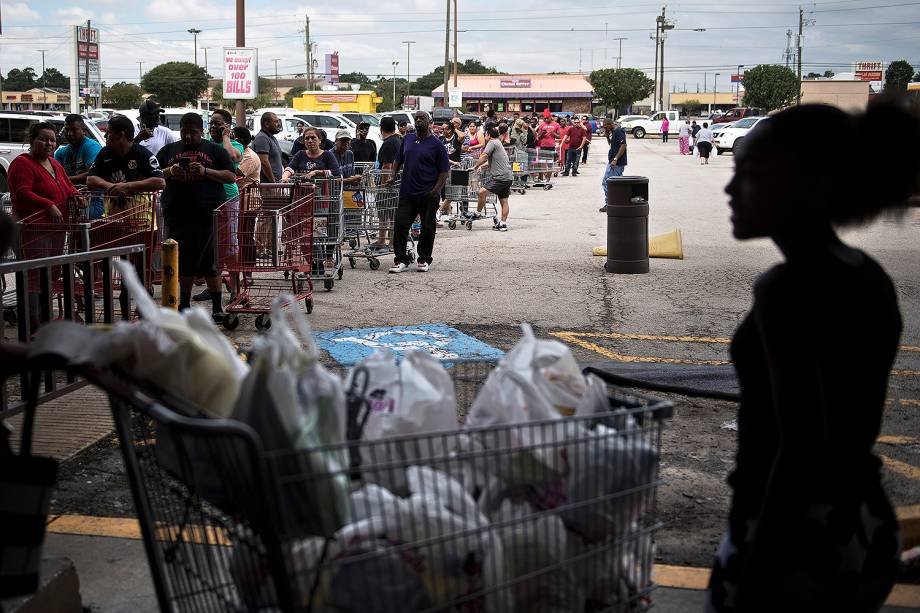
[737,113]
[652,124]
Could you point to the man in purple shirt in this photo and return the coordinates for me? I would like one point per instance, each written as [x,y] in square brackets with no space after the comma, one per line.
[424,164]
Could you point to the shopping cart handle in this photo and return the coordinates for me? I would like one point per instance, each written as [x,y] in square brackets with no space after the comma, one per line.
[609,377]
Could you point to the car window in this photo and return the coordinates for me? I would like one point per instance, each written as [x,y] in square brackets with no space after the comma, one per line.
[19,130]
[745,123]
[657,116]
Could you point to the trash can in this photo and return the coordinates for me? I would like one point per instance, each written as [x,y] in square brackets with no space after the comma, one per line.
[627,225]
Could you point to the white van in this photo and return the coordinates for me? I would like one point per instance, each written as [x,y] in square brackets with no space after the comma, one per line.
[333,122]
[169,117]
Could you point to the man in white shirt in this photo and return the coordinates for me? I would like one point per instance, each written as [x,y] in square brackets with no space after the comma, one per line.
[148,131]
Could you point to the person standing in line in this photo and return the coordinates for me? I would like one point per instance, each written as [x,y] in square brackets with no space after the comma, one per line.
[313,161]
[266,146]
[589,125]
[810,527]
[704,143]
[694,130]
[500,178]
[665,126]
[547,132]
[423,160]
[562,145]
[403,128]
[616,157]
[250,165]
[345,156]
[574,140]
[453,140]
[77,157]
[364,149]
[683,138]
[196,171]
[386,159]
[148,133]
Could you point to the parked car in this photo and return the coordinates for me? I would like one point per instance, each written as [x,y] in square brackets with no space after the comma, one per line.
[626,121]
[169,117]
[333,122]
[725,137]
[441,116]
[652,124]
[289,122]
[14,136]
[739,113]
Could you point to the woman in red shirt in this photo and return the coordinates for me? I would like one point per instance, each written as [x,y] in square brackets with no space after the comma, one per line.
[38,183]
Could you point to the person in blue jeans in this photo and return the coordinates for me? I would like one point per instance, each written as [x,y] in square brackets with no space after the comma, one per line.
[616,157]
[77,157]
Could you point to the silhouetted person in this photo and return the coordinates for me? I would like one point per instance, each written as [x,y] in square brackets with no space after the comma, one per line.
[810,528]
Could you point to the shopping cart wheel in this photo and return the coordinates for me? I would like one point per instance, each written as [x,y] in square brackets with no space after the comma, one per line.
[353,243]
[328,284]
[231,321]
[10,317]
[374,263]
[263,322]
[452,224]
[342,273]
[469,225]
[547,187]
[522,191]
[352,262]
[309,305]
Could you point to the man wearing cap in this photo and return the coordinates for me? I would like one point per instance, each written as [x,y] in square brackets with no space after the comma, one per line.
[148,133]
[345,156]
[364,150]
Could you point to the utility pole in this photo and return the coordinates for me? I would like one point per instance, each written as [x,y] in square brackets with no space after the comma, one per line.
[446,55]
[665,26]
[788,53]
[620,55]
[605,46]
[798,97]
[206,61]
[140,71]
[194,32]
[456,68]
[241,42]
[395,64]
[86,81]
[655,78]
[738,84]
[275,60]
[309,51]
[579,60]
[714,89]
[408,44]
[705,75]
[44,93]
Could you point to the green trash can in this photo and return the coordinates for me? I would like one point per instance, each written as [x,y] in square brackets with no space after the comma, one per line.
[627,225]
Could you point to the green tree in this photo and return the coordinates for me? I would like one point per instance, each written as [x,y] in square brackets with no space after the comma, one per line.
[812,75]
[294,92]
[620,87]
[54,78]
[17,80]
[829,74]
[123,96]
[898,75]
[692,106]
[175,83]
[355,77]
[770,87]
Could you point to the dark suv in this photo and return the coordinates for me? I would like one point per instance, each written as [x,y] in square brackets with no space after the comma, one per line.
[738,113]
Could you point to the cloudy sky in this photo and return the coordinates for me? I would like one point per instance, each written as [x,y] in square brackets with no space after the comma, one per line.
[515,36]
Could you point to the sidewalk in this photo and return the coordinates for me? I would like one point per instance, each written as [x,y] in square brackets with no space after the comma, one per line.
[114,578]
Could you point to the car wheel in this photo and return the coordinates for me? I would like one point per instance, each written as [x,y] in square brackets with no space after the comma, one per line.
[639,133]
[4,187]
[719,151]
[735,144]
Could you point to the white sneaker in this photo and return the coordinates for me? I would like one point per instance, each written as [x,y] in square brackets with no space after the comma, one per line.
[502,227]
[398,268]
[422,266]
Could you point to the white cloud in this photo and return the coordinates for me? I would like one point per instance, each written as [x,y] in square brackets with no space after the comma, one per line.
[75,13]
[19,10]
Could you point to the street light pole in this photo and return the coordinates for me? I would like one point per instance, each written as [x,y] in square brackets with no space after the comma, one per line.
[44,93]
[446,55]
[140,71]
[275,60]
[620,55]
[205,49]
[408,44]
[241,42]
[395,64]
[195,34]
[715,88]
[738,85]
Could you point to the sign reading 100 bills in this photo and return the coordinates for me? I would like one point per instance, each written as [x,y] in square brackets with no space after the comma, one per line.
[241,69]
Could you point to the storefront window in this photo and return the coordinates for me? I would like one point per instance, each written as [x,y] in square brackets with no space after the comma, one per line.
[500,107]
[555,106]
[514,107]
[527,107]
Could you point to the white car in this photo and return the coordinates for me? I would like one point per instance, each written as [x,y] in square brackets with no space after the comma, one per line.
[725,137]
[652,124]
[626,121]
[333,122]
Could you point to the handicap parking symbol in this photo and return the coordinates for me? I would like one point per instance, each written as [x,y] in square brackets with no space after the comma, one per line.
[348,347]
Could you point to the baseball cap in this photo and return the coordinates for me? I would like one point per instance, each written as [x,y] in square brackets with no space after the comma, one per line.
[149,106]
[342,134]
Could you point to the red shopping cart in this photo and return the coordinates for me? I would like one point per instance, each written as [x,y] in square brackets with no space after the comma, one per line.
[269,229]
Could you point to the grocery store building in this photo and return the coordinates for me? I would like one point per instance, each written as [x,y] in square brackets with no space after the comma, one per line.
[522,93]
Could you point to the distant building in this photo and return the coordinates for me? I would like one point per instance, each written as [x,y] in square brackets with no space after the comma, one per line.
[36,99]
[847,95]
[522,93]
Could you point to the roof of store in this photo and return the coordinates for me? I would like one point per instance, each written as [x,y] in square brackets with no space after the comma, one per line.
[521,86]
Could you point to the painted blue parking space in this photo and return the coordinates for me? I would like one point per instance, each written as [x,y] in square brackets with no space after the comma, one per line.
[348,347]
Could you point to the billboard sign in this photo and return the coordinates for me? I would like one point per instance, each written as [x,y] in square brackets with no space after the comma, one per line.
[332,67]
[455,98]
[738,78]
[241,73]
[868,71]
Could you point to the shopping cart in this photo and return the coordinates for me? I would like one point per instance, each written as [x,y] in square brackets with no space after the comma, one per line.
[268,230]
[462,191]
[371,217]
[541,164]
[222,529]
[328,229]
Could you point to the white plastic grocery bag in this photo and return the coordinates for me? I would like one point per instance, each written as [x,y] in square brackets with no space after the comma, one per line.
[413,397]
[297,407]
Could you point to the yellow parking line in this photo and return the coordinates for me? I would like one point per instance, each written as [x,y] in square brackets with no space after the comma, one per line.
[909,402]
[897,440]
[118,527]
[902,468]
[578,338]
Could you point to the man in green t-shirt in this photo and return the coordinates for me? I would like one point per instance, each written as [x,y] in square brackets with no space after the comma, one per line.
[220,131]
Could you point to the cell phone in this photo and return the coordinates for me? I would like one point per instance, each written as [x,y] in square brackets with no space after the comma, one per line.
[184,163]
